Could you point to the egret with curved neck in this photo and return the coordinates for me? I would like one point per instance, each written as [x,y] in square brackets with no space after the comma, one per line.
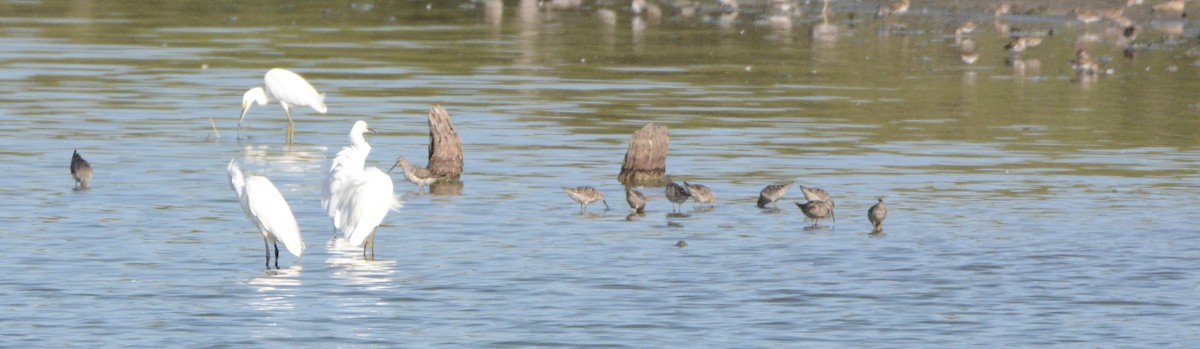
[289,90]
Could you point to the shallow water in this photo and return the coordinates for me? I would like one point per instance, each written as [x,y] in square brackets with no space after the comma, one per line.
[1026,206]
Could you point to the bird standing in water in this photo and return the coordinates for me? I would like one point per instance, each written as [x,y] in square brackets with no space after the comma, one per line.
[772,193]
[585,195]
[270,213]
[816,210]
[636,200]
[677,194]
[701,194]
[876,214]
[81,170]
[420,176]
[289,90]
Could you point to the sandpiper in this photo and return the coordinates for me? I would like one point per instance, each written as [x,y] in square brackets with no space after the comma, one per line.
[636,200]
[877,214]
[895,8]
[966,28]
[701,194]
[1169,6]
[771,193]
[677,194]
[81,170]
[816,210]
[416,175]
[1083,63]
[1021,43]
[817,194]
[585,195]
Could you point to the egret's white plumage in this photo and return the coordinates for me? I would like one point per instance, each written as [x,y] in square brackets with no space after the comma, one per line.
[347,164]
[269,212]
[286,88]
[369,199]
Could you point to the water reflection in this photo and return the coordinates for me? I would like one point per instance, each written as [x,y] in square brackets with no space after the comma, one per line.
[277,289]
[348,264]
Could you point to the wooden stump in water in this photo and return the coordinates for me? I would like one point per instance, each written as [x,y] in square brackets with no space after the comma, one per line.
[445,148]
[646,159]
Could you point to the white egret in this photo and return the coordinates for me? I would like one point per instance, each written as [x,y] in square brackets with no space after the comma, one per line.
[269,212]
[289,90]
[368,199]
[81,170]
[347,164]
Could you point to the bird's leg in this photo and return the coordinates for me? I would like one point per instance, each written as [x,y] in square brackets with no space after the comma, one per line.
[373,242]
[291,125]
[276,256]
[268,247]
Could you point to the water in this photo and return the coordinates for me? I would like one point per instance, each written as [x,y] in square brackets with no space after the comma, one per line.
[1027,207]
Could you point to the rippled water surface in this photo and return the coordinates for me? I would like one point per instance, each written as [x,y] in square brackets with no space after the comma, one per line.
[1029,206]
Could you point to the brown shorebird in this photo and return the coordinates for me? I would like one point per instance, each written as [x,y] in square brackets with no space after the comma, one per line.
[895,8]
[772,193]
[677,194]
[1021,43]
[816,194]
[877,214]
[81,170]
[966,28]
[585,195]
[1169,6]
[817,210]
[416,175]
[1083,63]
[701,194]
[636,200]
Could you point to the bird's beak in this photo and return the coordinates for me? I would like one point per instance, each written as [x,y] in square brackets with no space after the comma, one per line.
[605,204]
[393,167]
[370,131]
[245,108]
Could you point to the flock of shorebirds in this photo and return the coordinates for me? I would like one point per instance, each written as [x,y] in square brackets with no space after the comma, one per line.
[819,205]
[357,198]
[1082,64]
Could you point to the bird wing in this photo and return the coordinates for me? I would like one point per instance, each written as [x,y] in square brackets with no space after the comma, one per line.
[288,87]
[369,199]
[267,207]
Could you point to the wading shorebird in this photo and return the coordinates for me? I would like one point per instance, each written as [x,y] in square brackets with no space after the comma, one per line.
[81,170]
[636,200]
[772,193]
[877,214]
[816,210]
[701,194]
[1021,43]
[677,194]
[420,176]
[1083,63]
[895,8]
[585,195]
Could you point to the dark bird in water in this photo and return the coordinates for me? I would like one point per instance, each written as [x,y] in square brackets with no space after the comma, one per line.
[877,214]
[81,170]
[772,193]
[636,200]
[677,194]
